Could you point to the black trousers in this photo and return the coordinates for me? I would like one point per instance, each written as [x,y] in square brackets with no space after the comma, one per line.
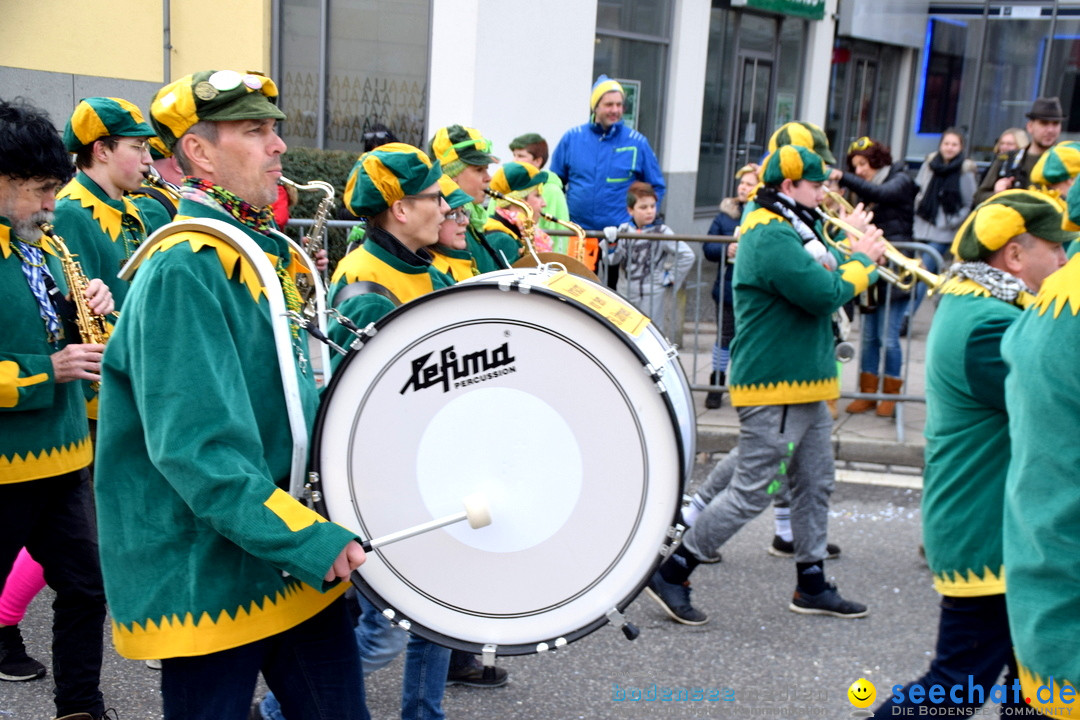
[53,519]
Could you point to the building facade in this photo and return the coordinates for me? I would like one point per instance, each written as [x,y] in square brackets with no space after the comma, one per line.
[707,80]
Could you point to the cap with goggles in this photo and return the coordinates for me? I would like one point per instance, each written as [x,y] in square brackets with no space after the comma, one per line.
[214,95]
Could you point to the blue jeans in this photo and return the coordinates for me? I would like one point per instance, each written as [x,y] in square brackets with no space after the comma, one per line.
[313,669]
[379,642]
[973,640]
[883,323]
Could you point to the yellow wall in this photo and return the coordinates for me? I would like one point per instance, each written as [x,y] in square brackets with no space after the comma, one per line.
[123,38]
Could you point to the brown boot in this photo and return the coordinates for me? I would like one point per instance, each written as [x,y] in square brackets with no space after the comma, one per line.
[868,383]
[887,408]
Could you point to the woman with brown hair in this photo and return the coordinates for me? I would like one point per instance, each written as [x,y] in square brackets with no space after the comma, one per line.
[887,191]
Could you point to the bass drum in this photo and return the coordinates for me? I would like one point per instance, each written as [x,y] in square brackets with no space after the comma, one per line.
[549,395]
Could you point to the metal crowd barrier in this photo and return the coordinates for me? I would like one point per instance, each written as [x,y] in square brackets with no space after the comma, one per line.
[697,319]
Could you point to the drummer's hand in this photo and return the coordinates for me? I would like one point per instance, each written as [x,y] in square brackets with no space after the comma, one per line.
[351,557]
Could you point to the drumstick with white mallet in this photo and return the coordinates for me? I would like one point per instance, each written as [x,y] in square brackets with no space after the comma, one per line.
[476,512]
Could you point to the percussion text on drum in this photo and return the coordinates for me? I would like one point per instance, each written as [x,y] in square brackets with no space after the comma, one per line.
[450,367]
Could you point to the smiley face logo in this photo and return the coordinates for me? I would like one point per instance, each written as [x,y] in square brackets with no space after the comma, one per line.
[862,693]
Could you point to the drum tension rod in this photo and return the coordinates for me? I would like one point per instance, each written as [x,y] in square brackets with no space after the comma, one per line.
[362,336]
[629,629]
[314,331]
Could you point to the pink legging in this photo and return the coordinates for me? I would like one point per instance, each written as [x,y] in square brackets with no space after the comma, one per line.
[25,580]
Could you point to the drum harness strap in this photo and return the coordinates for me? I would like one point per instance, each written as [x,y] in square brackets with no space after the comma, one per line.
[365,287]
[255,255]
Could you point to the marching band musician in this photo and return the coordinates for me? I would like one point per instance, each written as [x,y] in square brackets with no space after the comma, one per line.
[158,198]
[94,212]
[465,155]
[451,254]
[209,563]
[1041,499]
[1005,250]
[784,298]
[507,225]
[45,444]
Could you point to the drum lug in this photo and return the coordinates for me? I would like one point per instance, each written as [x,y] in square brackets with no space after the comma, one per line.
[674,534]
[487,655]
[629,629]
[312,496]
[363,336]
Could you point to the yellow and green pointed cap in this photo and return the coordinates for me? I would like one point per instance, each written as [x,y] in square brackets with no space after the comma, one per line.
[1057,164]
[515,176]
[98,117]
[793,162]
[216,95]
[456,142]
[803,134]
[386,174]
[1006,215]
[158,151]
[453,194]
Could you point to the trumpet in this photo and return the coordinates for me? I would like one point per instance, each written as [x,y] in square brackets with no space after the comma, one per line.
[910,269]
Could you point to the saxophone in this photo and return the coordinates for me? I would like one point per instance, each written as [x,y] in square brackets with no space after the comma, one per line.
[316,237]
[581,249]
[92,327]
[528,221]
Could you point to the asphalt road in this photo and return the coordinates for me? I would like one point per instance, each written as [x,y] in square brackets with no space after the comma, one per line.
[755,658]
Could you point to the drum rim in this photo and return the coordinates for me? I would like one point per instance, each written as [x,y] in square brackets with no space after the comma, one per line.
[418,627]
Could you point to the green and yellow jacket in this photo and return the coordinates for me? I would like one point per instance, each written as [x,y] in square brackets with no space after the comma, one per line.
[458,264]
[202,548]
[102,232]
[783,352]
[43,428]
[384,274]
[967,440]
[1042,491]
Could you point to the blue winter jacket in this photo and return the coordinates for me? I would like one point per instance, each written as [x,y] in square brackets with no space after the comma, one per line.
[597,167]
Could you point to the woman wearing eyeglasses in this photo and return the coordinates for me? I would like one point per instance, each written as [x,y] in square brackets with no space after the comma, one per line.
[889,193]
[450,255]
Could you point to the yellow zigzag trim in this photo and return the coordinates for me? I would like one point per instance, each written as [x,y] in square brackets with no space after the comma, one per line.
[184,637]
[1030,684]
[761,216]
[108,217]
[785,393]
[232,262]
[1060,289]
[48,463]
[962,286]
[956,585]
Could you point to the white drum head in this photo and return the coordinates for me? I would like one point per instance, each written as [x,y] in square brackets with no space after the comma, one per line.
[540,405]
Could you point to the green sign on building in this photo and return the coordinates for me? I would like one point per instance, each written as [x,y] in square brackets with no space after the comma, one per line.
[809,9]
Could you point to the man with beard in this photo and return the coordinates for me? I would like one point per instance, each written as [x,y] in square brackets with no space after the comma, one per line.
[45,443]
[1014,169]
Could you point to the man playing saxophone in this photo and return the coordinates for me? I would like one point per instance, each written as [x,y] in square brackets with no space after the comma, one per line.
[45,444]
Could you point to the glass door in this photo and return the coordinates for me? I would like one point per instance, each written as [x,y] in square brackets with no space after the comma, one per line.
[752,114]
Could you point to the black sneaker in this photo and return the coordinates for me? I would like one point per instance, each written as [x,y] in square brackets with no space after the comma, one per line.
[675,599]
[786,549]
[476,675]
[15,664]
[827,602]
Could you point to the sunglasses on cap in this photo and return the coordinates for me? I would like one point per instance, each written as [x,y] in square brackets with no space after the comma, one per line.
[481,144]
[863,143]
[225,80]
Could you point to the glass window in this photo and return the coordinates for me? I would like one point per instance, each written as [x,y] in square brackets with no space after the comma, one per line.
[299,81]
[377,63]
[713,182]
[643,17]
[792,48]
